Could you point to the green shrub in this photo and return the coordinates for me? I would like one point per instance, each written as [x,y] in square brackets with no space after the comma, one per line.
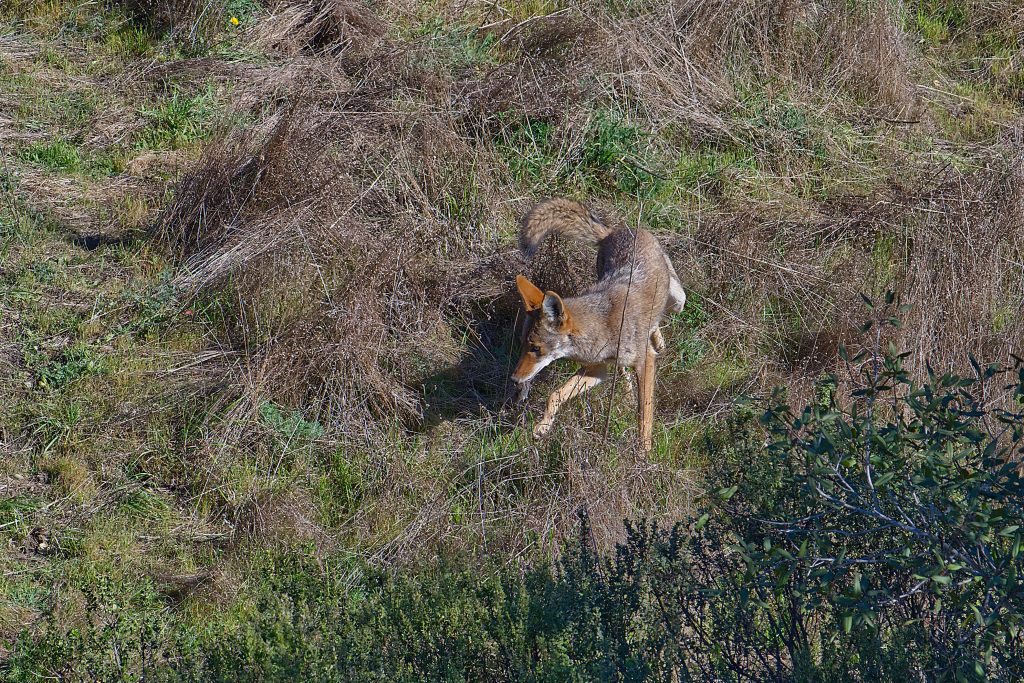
[892,518]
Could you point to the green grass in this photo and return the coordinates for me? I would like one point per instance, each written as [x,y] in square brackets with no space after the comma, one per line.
[176,121]
[56,156]
[129,41]
[936,20]
[688,348]
[455,46]
[612,157]
[61,156]
[138,443]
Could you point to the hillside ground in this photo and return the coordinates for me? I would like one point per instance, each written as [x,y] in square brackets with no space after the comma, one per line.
[257,264]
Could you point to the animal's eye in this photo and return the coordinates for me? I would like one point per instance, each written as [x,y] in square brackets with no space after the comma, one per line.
[535,349]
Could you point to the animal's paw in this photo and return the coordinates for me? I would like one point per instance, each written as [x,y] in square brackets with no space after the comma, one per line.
[541,429]
[627,377]
[657,340]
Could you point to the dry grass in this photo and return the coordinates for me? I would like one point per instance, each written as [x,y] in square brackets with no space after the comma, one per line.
[358,241]
[342,250]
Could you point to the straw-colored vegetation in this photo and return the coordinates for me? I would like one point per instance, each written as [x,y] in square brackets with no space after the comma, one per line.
[257,311]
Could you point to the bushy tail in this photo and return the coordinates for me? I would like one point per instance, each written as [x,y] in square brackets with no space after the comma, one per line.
[564,217]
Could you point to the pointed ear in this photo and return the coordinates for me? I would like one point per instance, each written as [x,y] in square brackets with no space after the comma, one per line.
[532,296]
[554,310]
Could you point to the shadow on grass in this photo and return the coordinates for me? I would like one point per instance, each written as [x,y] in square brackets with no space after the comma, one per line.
[478,384]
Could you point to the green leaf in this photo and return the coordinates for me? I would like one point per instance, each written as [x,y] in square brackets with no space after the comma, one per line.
[728,492]
[701,522]
[884,479]
[847,623]
[941,579]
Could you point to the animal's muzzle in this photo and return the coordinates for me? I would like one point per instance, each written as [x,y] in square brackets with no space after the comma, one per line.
[522,390]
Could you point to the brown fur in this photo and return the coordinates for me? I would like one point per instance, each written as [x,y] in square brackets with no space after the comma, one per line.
[564,217]
[614,322]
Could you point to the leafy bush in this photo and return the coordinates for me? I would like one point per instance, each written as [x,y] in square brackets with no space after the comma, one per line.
[892,518]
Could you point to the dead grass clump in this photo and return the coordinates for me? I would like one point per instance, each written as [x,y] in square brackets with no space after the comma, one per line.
[682,62]
[525,88]
[340,239]
[285,519]
[318,27]
[552,36]
[865,53]
[963,272]
[170,15]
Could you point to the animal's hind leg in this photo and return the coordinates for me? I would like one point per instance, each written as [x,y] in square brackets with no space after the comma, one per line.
[584,380]
[676,293]
[645,400]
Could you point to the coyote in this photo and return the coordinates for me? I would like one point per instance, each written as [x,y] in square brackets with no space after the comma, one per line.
[615,321]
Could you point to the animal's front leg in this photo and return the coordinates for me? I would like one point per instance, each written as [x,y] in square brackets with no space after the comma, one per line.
[584,380]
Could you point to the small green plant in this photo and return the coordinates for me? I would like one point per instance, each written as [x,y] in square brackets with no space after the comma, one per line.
[690,347]
[71,365]
[57,155]
[243,10]
[289,425]
[177,121]
[290,434]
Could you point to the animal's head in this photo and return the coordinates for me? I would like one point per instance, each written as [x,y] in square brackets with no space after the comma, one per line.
[548,326]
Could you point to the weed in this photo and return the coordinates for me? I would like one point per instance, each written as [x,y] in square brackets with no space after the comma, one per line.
[686,328]
[70,366]
[57,156]
[289,425]
[177,121]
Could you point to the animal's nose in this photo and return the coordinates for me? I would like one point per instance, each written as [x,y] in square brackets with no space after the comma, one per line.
[522,390]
